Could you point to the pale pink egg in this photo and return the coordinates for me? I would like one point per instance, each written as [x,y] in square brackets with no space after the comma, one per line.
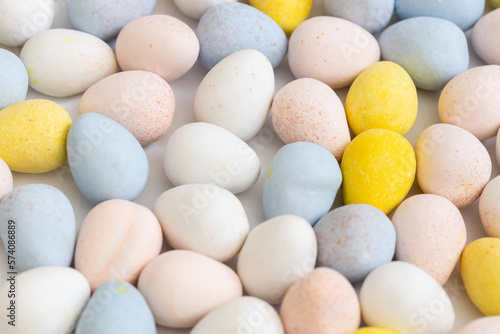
[6,182]
[489,208]
[484,325]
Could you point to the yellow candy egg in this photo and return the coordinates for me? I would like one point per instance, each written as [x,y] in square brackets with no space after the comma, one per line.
[33,136]
[480,269]
[373,330]
[378,168]
[382,96]
[287,13]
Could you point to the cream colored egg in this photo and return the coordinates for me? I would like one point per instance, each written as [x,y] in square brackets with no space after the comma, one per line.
[6,181]
[485,39]
[489,208]
[485,325]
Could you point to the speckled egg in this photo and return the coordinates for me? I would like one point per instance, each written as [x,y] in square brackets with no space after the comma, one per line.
[116,241]
[6,182]
[33,136]
[452,163]
[401,297]
[307,110]
[105,159]
[374,330]
[323,302]
[288,14]
[233,26]
[485,325]
[161,44]
[13,79]
[182,287]
[489,208]
[196,8]
[382,96]
[378,168]
[371,15]
[65,62]
[332,50]
[142,102]
[105,18]
[431,234]
[430,49]
[485,40]
[116,308]
[355,239]
[471,100]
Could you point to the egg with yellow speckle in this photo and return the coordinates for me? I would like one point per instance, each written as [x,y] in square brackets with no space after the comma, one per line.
[378,168]
[373,330]
[382,96]
[33,136]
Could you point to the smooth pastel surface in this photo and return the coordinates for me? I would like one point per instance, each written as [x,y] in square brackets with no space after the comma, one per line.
[233,26]
[6,182]
[378,168]
[303,180]
[181,287]
[485,42]
[323,302]
[13,79]
[452,163]
[431,234]
[489,208]
[485,325]
[33,136]
[288,14]
[142,102]
[332,50]
[355,239]
[431,50]
[373,330]
[196,8]
[307,110]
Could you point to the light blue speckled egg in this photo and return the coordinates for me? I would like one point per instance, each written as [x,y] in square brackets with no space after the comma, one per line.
[116,308]
[303,179]
[105,159]
[233,26]
[105,18]
[430,49]
[13,79]
[372,15]
[37,226]
[464,13]
[355,239]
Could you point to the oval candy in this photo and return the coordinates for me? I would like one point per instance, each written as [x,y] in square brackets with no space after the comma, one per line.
[484,325]
[196,8]
[6,181]
[489,208]
[485,42]
[13,79]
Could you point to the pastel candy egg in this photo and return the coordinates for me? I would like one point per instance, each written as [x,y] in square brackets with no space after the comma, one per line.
[203,218]
[303,180]
[322,302]
[13,79]
[371,15]
[268,266]
[288,14]
[33,136]
[65,62]
[307,110]
[431,50]
[471,101]
[497,148]
[382,96]
[6,182]
[196,8]
[19,20]
[232,26]
[116,241]
[105,18]
[124,312]
[355,239]
[485,325]
[489,208]
[464,13]
[431,234]
[402,297]
[182,287]
[237,93]
[452,163]
[332,50]
[105,159]
[480,269]
[142,102]
[374,330]
[39,223]
[161,44]
[241,315]
[485,40]
[378,168]
[206,153]
[65,288]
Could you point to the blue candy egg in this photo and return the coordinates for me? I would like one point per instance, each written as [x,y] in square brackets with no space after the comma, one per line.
[13,79]
[105,159]
[430,49]
[105,18]
[464,13]
[37,226]
[232,26]
[355,239]
[116,308]
[303,179]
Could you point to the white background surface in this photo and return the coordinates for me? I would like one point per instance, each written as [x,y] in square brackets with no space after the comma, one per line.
[266,143]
